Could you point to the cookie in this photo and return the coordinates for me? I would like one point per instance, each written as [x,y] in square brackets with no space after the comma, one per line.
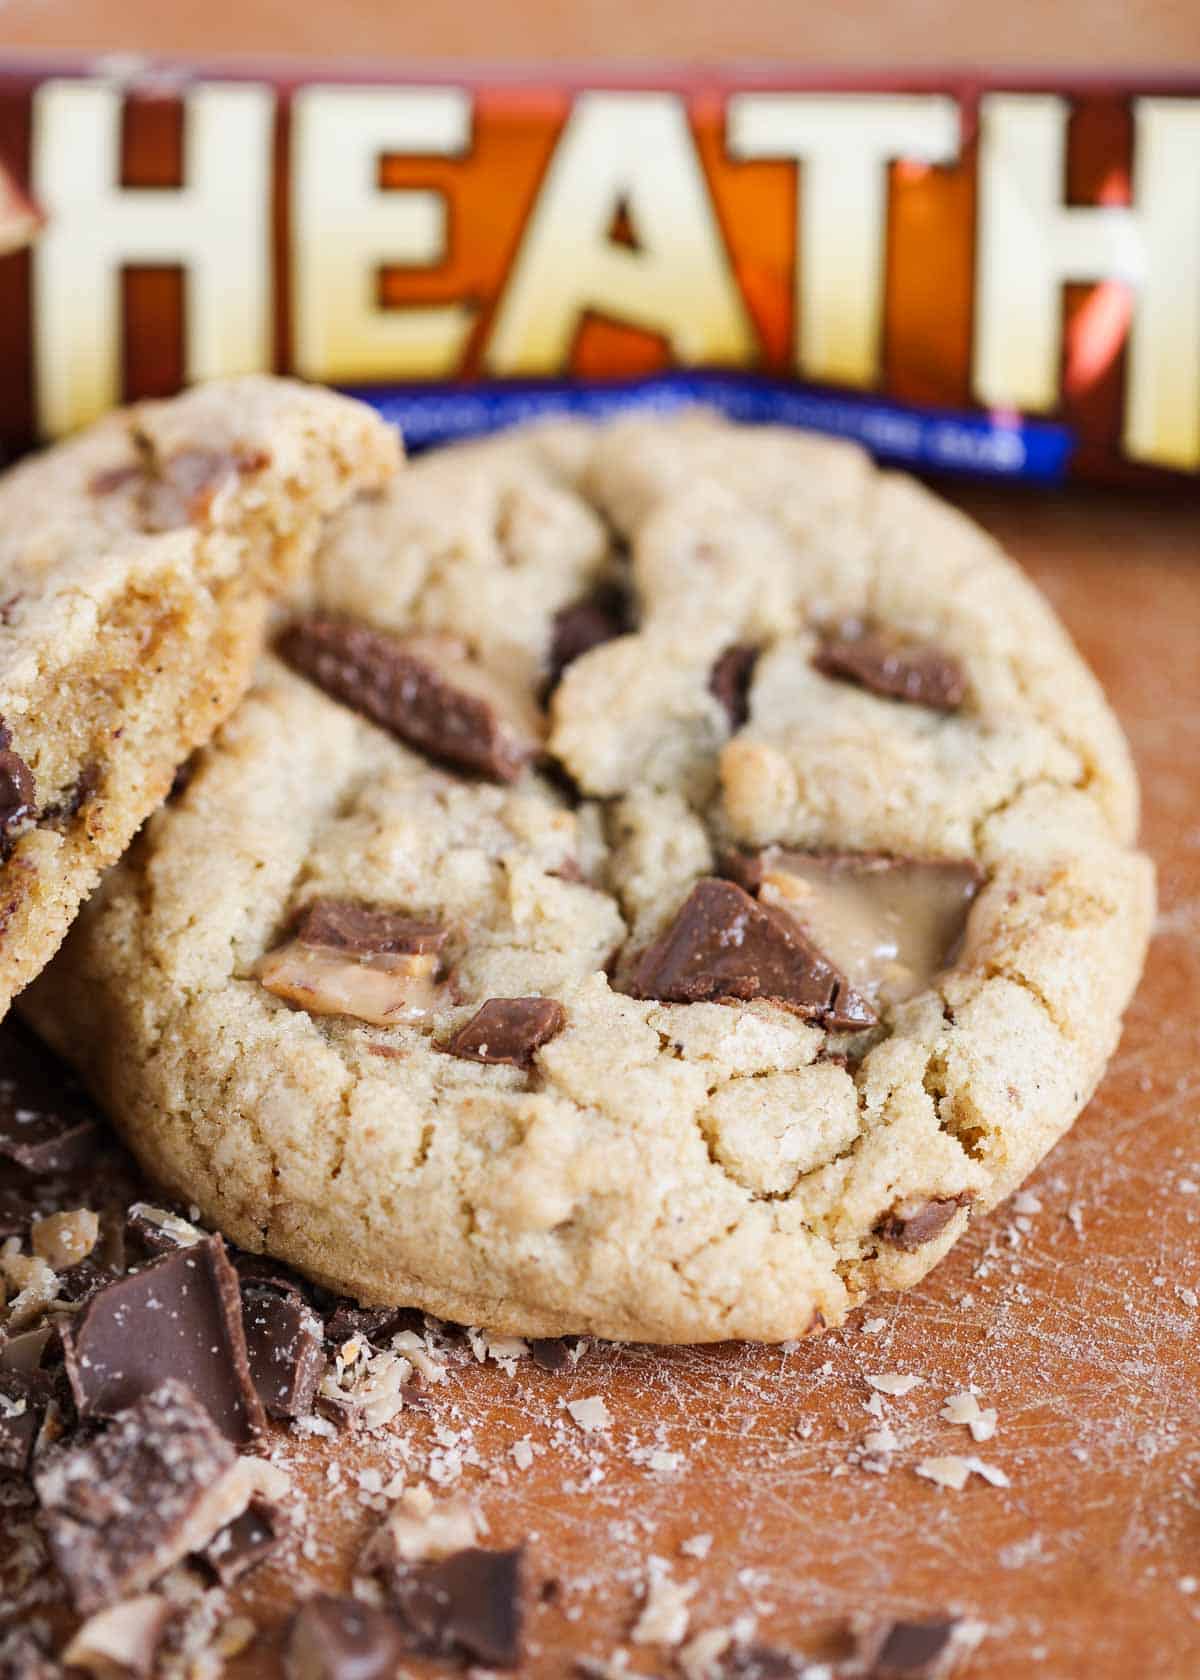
[673,879]
[136,566]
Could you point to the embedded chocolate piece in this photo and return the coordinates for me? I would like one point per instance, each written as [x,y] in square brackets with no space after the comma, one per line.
[887,663]
[913,1230]
[249,1540]
[44,1126]
[82,790]
[18,790]
[181,489]
[550,1354]
[338,1638]
[924,1650]
[285,1343]
[584,625]
[469,1602]
[724,945]
[121,1509]
[423,688]
[891,924]
[508,1030]
[342,924]
[730,682]
[180,1317]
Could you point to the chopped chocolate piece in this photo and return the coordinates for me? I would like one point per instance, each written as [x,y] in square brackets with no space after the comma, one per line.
[344,925]
[249,1540]
[82,790]
[23,1402]
[44,1126]
[376,1325]
[121,1509]
[550,1354]
[337,1638]
[889,664]
[724,945]
[124,1640]
[761,1662]
[18,790]
[285,1341]
[183,489]
[584,625]
[24,1657]
[27,1351]
[730,681]
[271,1274]
[923,1650]
[469,1602]
[912,1230]
[179,1317]
[508,1030]
[891,924]
[159,1231]
[423,688]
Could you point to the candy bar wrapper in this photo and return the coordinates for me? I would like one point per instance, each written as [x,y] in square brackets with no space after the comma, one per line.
[976,273]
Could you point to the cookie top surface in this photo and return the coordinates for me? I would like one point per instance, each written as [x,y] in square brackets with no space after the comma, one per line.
[136,564]
[673,878]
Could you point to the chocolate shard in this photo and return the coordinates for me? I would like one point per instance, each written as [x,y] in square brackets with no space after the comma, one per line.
[924,1650]
[285,1343]
[348,925]
[424,689]
[45,1126]
[181,1318]
[891,924]
[550,1354]
[80,793]
[508,1030]
[249,1540]
[338,1638]
[730,680]
[914,1226]
[584,625]
[119,1510]
[376,1325]
[723,945]
[18,790]
[761,1662]
[24,1399]
[24,1657]
[468,1603]
[891,665]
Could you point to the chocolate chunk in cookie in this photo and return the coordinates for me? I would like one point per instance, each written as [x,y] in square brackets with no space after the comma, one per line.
[729,680]
[468,1603]
[913,1225]
[424,689]
[18,789]
[120,1509]
[584,625]
[338,1638]
[180,1318]
[891,924]
[889,664]
[509,1030]
[181,489]
[285,1343]
[347,958]
[724,945]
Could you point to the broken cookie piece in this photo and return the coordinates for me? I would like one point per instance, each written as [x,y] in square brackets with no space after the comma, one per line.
[508,1030]
[346,958]
[121,1509]
[179,1318]
[426,689]
[892,665]
[891,924]
[723,944]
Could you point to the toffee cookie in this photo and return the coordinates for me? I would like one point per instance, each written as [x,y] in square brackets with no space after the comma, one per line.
[672,880]
[136,566]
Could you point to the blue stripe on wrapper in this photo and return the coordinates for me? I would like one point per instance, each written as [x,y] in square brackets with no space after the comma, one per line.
[1003,447]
